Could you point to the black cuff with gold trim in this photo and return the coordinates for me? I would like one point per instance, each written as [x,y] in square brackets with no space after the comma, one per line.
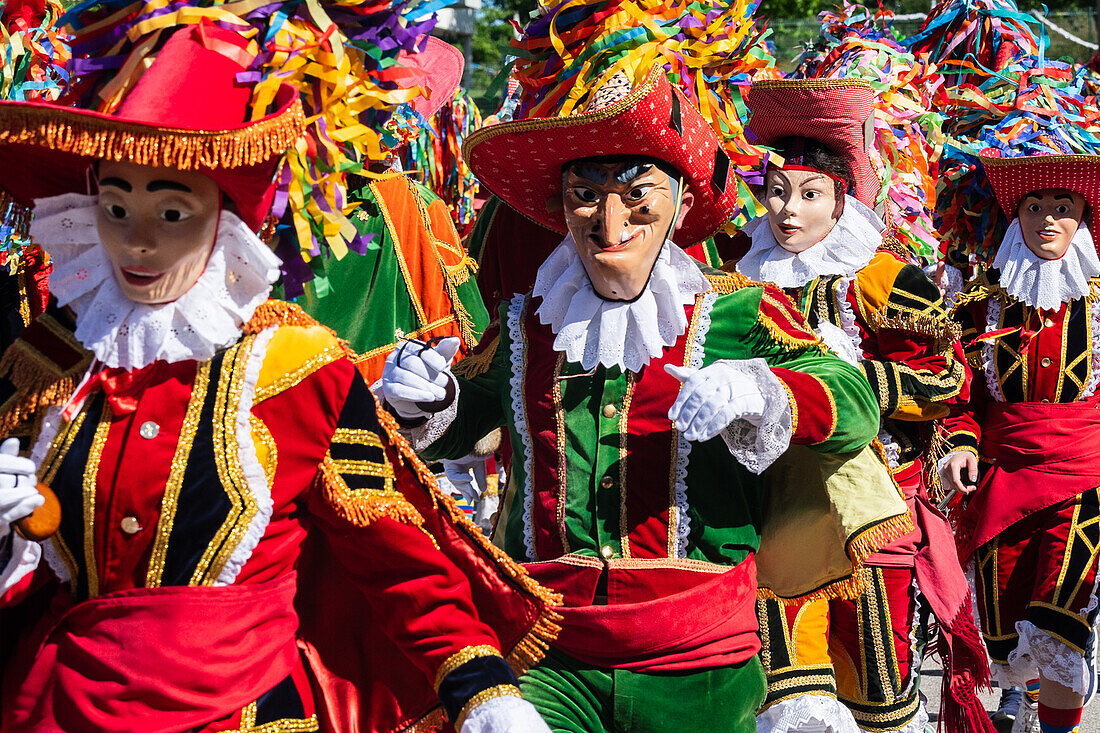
[470,679]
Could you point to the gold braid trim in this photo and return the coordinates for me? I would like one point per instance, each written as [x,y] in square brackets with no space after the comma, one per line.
[484,696]
[477,363]
[791,342]
[530,649]
[365,506]
[893,245]
[68,131]
[430,723]
[37,381]
[459,658]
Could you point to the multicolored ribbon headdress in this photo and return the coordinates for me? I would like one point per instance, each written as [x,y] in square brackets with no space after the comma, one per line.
[710,49]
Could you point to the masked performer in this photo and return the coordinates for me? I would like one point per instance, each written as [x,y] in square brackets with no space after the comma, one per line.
[217,444]
[643,395]
[822,243]
[1032,325]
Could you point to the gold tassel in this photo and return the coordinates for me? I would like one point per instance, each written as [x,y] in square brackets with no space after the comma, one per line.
[67,131]
[477,363]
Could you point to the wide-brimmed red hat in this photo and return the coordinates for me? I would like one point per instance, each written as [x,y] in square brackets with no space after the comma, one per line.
[835,112]
[521,161]
[1014,178]
[187,111]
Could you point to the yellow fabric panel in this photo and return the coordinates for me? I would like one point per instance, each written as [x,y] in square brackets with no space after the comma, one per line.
[876,280]
[810,634]
[297,349]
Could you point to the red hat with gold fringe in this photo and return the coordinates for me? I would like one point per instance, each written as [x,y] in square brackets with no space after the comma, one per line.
[1014,178]
[187,111]
[835,112]
[521,161]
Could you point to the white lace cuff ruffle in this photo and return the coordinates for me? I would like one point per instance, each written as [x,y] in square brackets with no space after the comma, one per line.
[757,447]
[431,430]
[503,714]
[1039,652]
[24,558]
[807,714]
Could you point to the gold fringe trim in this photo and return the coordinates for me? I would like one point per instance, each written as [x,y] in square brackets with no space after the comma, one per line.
[941,328]
[893,245]
[430,723]
[366,506]
[69,131]
[870,541]
[281,313]
[728,282]
[844,589]
[785,339]
[477,363]
[37,382]
[532,647]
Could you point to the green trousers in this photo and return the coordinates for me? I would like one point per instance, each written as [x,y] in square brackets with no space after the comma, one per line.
[574,697]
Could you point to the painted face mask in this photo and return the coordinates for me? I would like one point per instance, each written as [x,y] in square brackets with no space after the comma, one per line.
[802,206]
[1048,220]
[619,215]
[158,227]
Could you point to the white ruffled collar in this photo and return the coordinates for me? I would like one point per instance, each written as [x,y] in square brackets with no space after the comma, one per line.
[131,335]
[845,250]
[1041,283]
[590,330]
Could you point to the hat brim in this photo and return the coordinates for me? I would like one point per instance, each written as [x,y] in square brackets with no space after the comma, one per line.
[521,161]
[831,111]
[45,149]
[1014,178]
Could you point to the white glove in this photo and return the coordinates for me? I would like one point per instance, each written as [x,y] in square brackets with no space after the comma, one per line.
[504,714]
[18,485]
[713,397]
[465,478]
[416,376]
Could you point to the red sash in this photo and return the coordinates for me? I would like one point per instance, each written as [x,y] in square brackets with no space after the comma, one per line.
[163,659]
[1042,454]
[682,621]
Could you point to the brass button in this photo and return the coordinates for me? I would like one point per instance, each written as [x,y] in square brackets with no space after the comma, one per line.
[1045,361]
[1045,399]
[1048,322]
[609,410]
[130,525]
[607,482]
[149,430]
[607,552]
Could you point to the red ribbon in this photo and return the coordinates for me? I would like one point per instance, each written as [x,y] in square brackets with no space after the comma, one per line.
[120,385]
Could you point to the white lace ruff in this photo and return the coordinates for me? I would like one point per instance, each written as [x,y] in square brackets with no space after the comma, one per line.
[123,333]
[757,447]
[1046,284]
[518,358]
[590,330]
[1038,652]
[683,445]
[250,463]
[810,713]
[992,320]
[845,250]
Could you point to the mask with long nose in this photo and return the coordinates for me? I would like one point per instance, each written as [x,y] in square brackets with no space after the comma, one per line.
[620,214]
[158,227]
